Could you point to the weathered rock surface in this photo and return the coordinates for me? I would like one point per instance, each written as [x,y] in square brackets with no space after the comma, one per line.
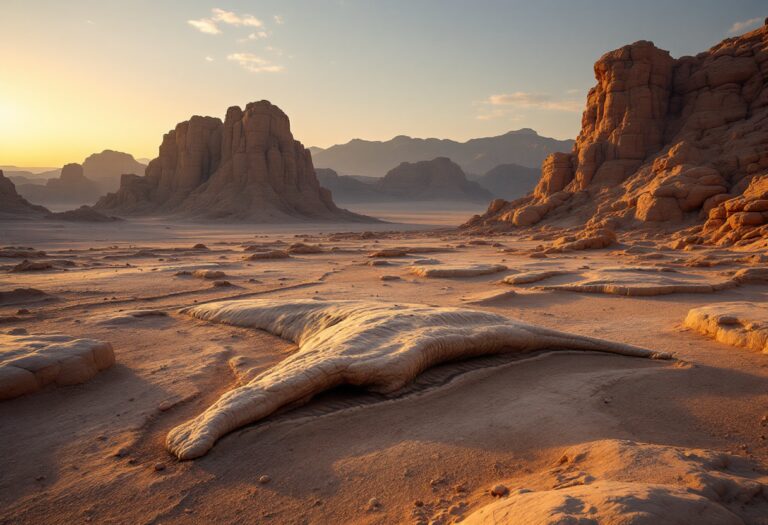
[449,271]
[14,206]
[247,168]
[663,141]
[738,324]
[30,362]
[625,482]
[382,346]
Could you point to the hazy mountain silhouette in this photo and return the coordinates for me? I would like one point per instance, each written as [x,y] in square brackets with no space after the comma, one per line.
[376,158]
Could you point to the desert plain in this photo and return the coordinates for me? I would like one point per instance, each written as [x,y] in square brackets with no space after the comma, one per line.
[432,452]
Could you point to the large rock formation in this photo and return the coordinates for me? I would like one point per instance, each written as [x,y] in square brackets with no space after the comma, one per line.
[247,168]
[106,168]
[13,205]
[436,179]
[663,140]
[476,156]
[71,187]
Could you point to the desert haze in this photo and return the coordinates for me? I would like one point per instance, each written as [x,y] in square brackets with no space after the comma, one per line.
[496,328]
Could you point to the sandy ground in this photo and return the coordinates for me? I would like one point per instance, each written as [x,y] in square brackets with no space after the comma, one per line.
[95,452]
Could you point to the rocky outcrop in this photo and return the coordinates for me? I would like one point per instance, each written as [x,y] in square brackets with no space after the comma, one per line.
[436,179]
[663,140]
[740,220]
[107,168]
[71,187]
[13,205]
[248,167]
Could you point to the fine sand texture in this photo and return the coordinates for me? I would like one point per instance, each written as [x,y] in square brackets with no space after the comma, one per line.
[341,391]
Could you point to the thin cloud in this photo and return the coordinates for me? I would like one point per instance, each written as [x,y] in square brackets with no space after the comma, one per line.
[741,27]
[521,99]
[205,25]
[233,19]
[209,59]
[278,20]
[220,16]
[253,63]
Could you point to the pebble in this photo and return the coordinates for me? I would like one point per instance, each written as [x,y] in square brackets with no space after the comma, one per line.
[373,504]
[264,479]
[499,490]
[159,467]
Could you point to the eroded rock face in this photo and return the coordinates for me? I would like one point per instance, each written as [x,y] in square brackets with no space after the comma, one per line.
[30,362]
[13,205]
[663,140]
[248,167]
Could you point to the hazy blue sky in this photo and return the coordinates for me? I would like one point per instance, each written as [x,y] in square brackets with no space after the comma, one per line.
[79,76]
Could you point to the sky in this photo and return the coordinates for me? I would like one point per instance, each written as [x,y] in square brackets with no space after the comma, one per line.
[81,76]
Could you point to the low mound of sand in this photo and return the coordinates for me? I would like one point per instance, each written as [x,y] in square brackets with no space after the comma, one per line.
[382,346]
[128,317]
[738,324]
[29,362]
[471,270]
[271,254]
[617,481]
[23,296]
[302,248]
[642,281]
[489,298]
[532,277]
[202,274]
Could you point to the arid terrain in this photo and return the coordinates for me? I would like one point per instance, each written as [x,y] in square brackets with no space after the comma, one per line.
[498,328]
[95,452]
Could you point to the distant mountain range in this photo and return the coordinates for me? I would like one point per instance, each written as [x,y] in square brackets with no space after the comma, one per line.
[509,181]
[439,179]
[75,184]
[524,147]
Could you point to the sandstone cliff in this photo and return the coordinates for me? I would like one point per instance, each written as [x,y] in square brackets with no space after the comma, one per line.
[665,142]
[248,167]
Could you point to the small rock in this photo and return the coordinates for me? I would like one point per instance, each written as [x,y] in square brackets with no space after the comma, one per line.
[499,491]
[159,467]
[373,504]
[264,479]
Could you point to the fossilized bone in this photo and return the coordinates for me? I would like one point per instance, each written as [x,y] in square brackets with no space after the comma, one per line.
[382,346]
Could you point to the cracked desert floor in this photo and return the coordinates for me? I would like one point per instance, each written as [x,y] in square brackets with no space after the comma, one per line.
[532,425]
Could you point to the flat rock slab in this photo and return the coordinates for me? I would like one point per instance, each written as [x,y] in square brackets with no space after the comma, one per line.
[378,345]
[642,281]
[449,271]
[533,276]
[738,323]
[30,362]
